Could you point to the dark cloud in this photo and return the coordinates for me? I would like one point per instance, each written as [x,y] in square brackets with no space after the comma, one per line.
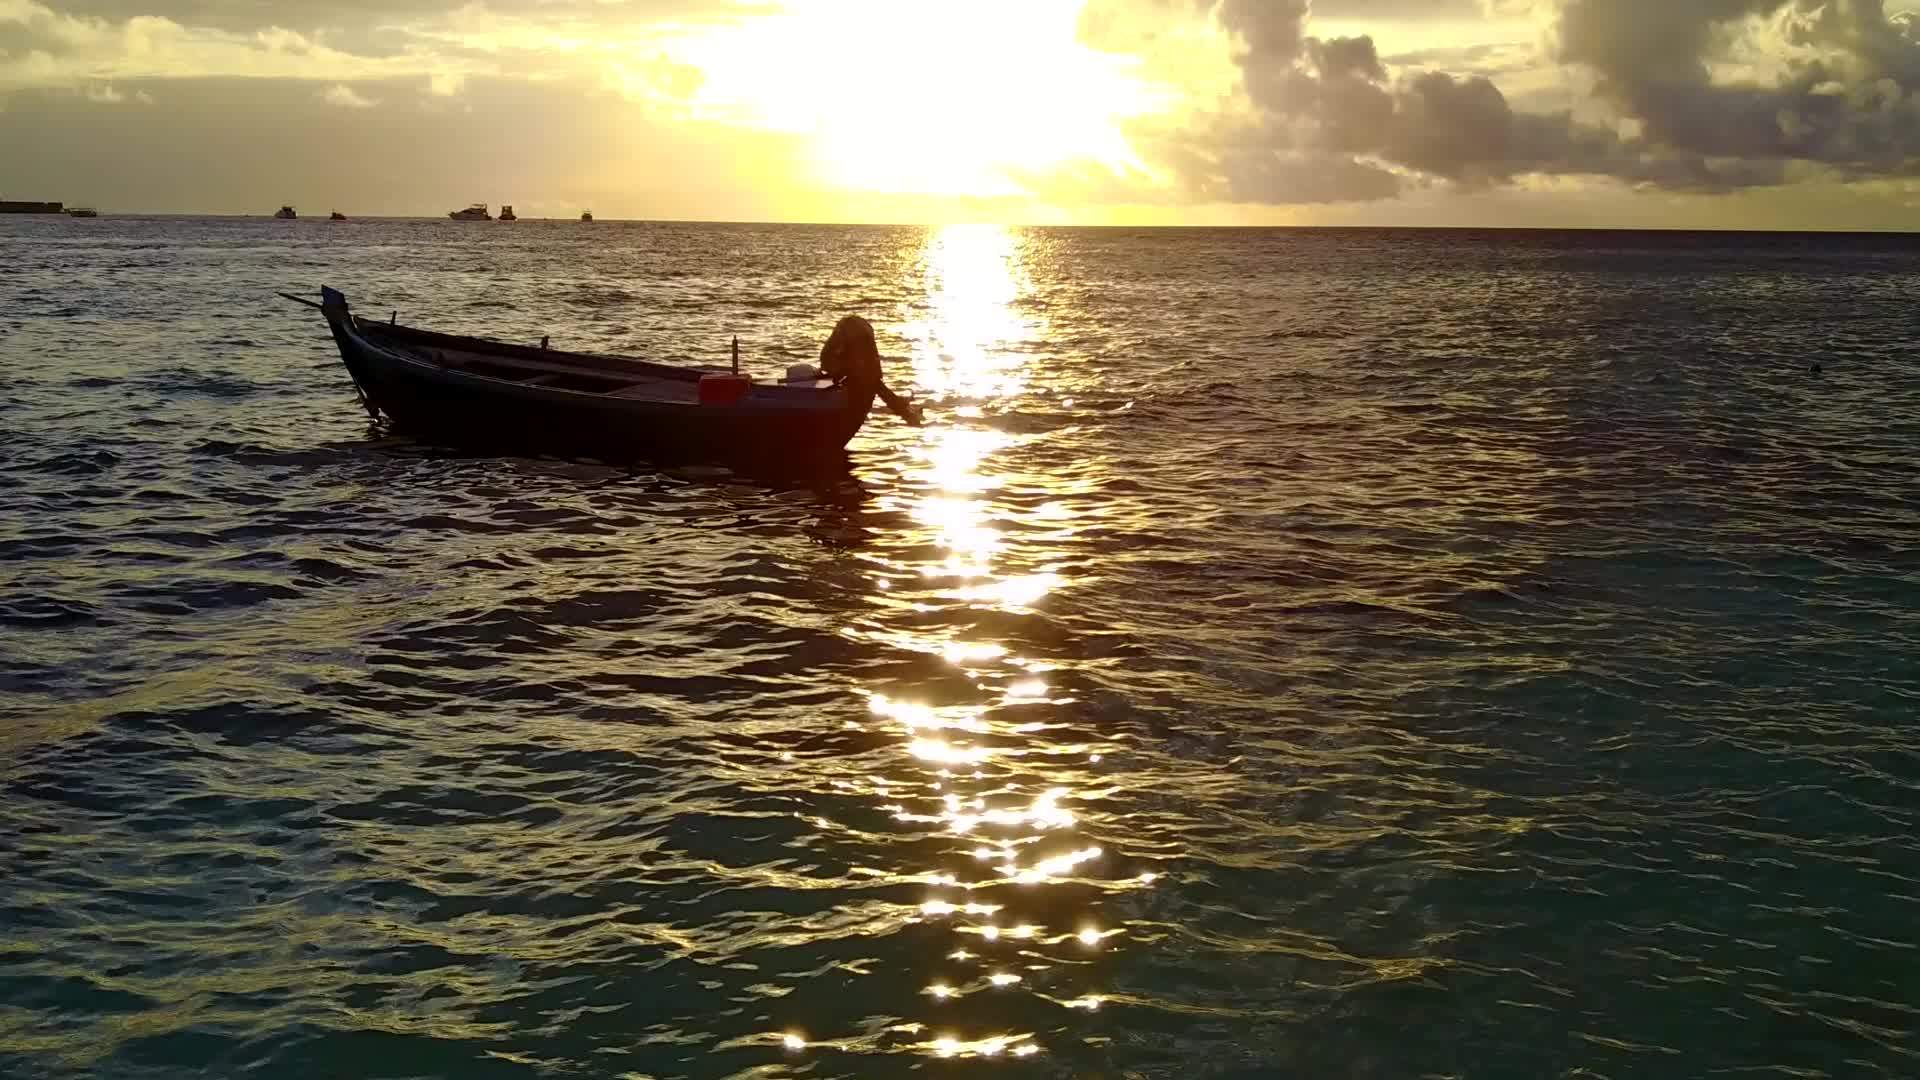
[1332,121]
[1345,57]
[1851,104]
[1332,103]
[1234,164]
[1272,32]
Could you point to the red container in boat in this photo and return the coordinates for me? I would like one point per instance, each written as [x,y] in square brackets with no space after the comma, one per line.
[723,389]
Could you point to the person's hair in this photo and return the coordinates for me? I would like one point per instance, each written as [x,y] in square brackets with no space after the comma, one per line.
[850,350]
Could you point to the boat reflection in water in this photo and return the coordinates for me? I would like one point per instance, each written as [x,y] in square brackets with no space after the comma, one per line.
[986,776]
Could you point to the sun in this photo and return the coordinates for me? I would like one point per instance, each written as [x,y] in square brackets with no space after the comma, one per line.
[907,97]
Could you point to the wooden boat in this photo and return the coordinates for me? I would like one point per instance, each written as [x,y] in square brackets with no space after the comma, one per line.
[473,391]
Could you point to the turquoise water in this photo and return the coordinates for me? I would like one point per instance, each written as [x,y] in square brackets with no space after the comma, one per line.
[1358,654]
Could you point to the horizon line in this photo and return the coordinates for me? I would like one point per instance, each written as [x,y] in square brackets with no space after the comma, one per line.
[1889,231]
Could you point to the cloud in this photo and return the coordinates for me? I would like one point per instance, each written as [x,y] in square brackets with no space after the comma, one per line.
[246,16]
[43,47]
[69,43]
[1487,58]
[538,145]
[105,93]
[1677,95]
[345,97]
[1404,10]
[1834,82]
[1245,102]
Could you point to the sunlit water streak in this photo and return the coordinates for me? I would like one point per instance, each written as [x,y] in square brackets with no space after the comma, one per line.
[1319,654]
[980,758]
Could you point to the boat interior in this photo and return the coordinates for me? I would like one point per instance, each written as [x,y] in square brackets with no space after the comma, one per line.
[551,369]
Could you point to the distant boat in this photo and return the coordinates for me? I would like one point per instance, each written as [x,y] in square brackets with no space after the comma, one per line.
[506,213]
[15,206]
[285,213]
[586,215]
[473,391]
[336,216]
[82,211]
[476,212]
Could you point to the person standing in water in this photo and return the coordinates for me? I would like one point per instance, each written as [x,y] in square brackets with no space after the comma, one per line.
[852,354]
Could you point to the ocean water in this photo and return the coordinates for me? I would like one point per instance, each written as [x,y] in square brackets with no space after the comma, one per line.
[1283,654]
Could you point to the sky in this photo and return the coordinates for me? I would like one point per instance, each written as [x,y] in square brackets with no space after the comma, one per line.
[1630,113]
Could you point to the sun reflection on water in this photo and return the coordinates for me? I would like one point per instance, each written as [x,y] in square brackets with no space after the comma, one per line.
[976,277]
[967,355]
[978,767]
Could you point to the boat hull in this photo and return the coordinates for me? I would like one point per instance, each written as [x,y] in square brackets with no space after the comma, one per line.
[457,408]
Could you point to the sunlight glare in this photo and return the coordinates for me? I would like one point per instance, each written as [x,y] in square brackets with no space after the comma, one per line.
[1015,592]
[961,653]
[922,98]
[1048,869]
[947,753]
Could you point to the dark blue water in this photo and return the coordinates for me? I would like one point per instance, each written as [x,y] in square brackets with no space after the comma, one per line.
[1284,654]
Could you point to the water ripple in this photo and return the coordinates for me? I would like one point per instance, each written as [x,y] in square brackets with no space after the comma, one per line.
[1286,653]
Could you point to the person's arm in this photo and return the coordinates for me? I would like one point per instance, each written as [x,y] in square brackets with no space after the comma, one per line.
[904,409]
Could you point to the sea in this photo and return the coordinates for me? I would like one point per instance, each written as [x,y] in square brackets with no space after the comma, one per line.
[1283,653]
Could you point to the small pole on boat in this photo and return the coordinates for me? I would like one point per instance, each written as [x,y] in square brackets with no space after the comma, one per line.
[736,354]
[543,340]
[393,318]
